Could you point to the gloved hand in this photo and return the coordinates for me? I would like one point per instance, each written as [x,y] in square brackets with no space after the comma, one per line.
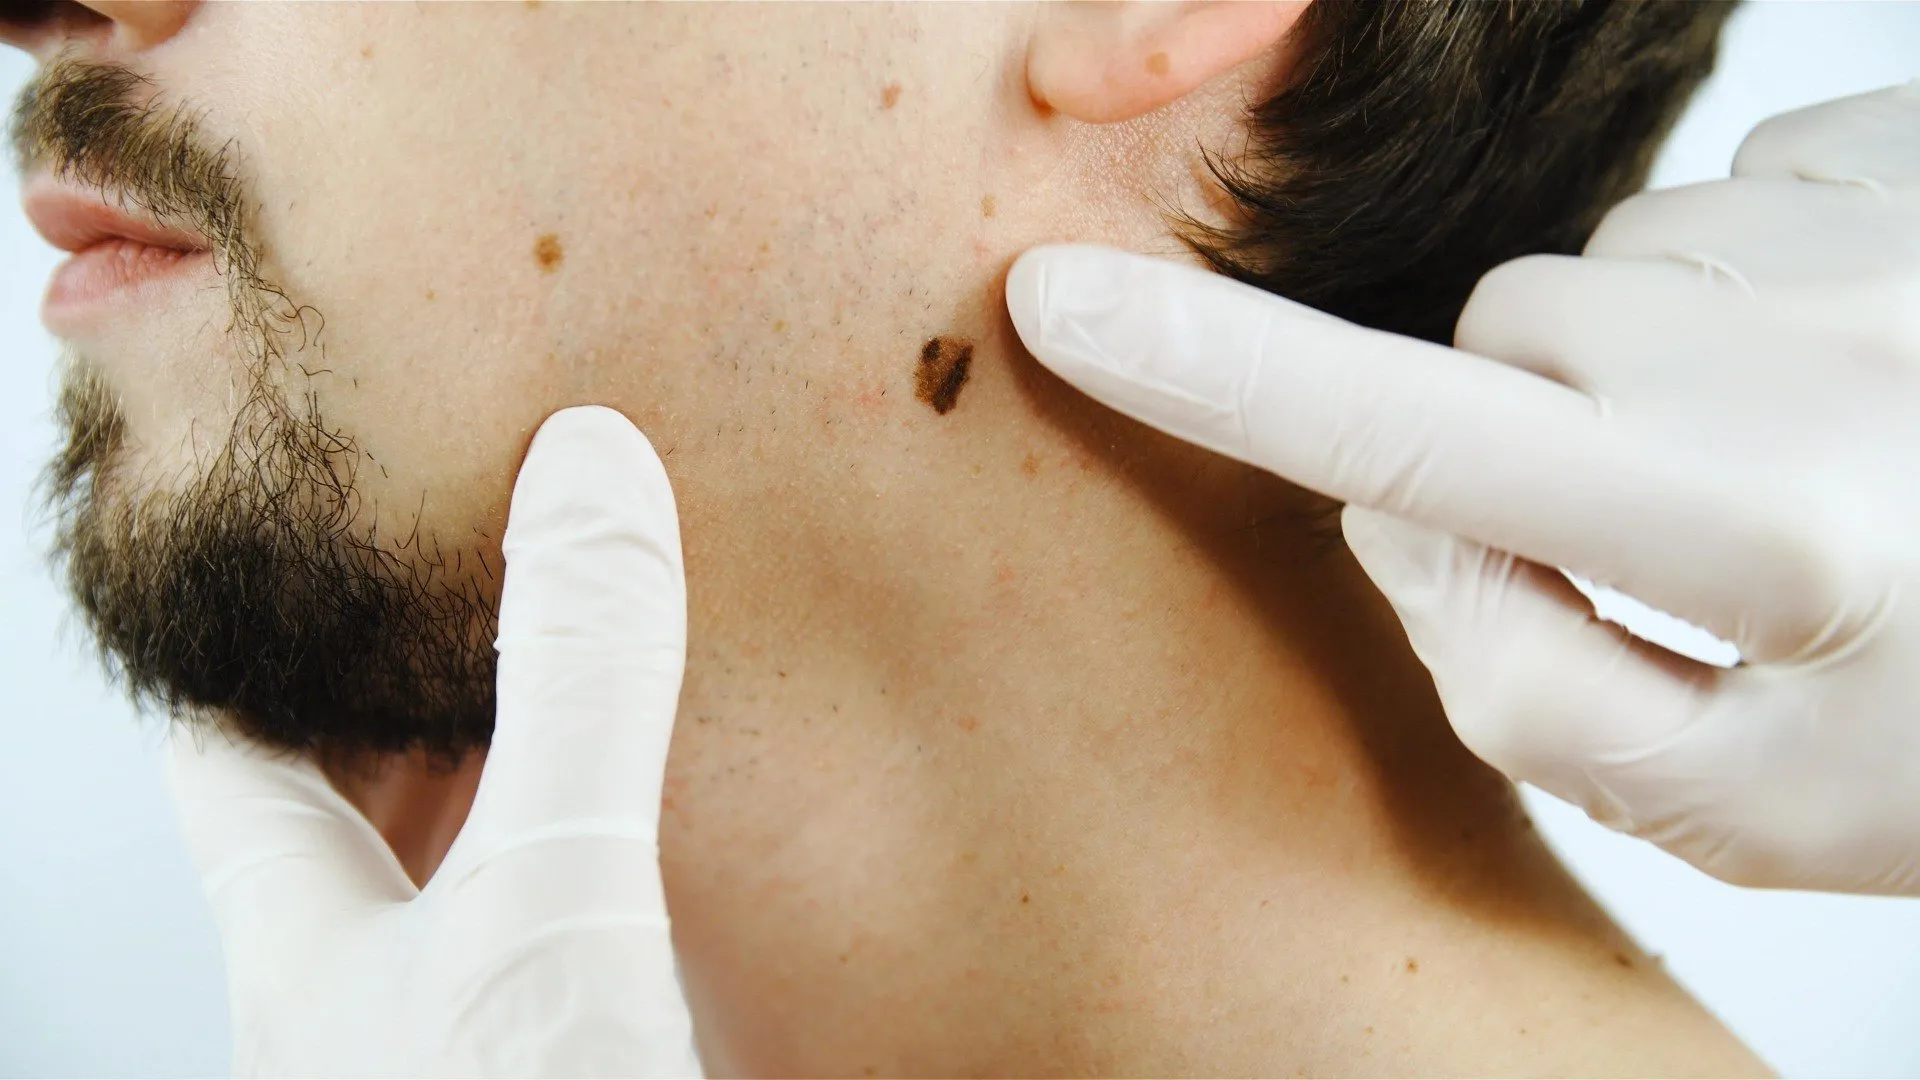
[1716,409]
[541,945]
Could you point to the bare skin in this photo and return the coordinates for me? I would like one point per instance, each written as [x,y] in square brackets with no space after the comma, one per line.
[1015,738]
[1136,778]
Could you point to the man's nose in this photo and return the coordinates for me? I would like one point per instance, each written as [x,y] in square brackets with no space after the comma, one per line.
[44,27]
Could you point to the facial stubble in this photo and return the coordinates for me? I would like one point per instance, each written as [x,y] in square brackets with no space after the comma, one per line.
[260,591]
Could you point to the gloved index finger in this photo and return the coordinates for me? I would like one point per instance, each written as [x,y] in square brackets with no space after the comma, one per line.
[592,641]
[553,885]
[1397,424]
[1451,440]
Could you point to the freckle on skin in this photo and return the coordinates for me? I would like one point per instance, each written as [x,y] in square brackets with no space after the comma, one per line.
[968,724]
[1157,64]
[546,252]
[1413,966]
[366,52]
[988,206]
[890,95]
[1030,465]
[779,325]
[429,294]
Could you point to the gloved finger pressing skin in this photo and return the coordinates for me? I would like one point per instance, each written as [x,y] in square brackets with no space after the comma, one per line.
[1442,437]
[541,946]
[1713,410]
[559,856]
[1867,138]
[592,641]
[1345,411]
[283,857]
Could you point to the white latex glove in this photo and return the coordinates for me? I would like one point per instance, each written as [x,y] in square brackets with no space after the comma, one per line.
[541,945]
[1716,410]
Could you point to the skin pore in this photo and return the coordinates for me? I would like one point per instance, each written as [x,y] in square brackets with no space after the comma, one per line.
[1015,737]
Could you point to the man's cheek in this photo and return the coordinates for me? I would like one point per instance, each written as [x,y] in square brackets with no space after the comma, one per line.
[179,380]
[431,458]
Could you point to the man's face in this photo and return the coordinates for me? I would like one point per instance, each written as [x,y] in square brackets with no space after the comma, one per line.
[422,229]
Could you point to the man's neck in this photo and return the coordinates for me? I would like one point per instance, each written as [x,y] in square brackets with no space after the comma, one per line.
[1018,739]
[1027,740]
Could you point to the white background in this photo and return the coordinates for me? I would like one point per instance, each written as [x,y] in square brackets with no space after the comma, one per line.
[108,960]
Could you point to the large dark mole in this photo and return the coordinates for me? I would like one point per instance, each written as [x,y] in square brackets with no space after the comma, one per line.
[942,372]
[546,252]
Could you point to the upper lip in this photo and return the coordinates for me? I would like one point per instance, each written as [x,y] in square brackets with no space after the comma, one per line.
[74,218]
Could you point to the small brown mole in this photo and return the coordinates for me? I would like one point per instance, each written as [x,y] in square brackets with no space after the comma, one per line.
[890,95]
[942,372]
[989,206]
[1157,64]
[546,252]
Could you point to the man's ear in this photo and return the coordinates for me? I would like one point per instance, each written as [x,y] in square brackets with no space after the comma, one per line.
[1108,62]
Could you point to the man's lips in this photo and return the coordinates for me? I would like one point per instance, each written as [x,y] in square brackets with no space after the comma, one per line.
[74,218]
[115,251]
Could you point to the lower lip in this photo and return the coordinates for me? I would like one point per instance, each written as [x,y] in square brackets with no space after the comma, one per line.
[111,270]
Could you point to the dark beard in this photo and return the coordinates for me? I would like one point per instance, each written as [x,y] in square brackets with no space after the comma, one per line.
[260,594]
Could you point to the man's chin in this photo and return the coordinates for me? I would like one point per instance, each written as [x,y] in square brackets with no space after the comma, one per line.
[256,592]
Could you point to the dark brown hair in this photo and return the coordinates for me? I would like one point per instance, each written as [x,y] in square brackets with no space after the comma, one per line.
[1415,146]
[263,592]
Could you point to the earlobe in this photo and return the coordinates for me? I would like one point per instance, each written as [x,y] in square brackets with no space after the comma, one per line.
[1105,63]
[146,23]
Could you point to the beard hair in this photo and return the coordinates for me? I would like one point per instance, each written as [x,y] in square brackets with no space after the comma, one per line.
[260,592]
[263,593]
